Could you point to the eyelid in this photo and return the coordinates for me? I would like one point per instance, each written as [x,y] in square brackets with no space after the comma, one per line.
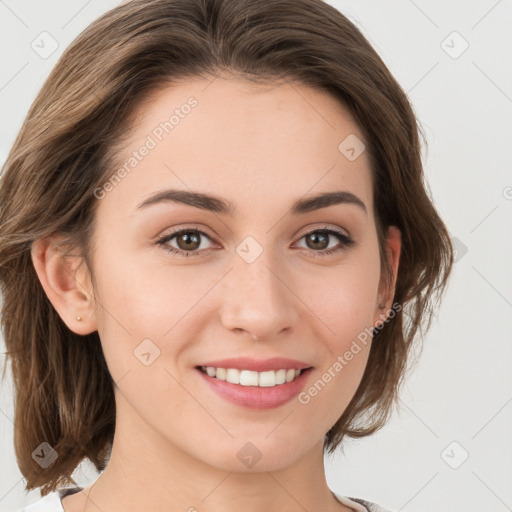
[343,235]
[325,227]
[192,227]
[202,230]
[166,235]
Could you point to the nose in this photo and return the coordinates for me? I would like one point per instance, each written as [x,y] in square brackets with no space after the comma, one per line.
[257,299]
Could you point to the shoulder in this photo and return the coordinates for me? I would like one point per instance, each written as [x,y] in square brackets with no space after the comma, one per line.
[51,502]
[370,506]
[361,505]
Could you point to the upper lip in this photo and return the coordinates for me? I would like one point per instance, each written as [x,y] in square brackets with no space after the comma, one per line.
[258,365]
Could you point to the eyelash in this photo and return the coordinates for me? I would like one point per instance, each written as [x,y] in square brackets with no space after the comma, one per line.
[345,240]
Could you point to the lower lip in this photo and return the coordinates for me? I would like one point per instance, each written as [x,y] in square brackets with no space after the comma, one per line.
[255,397]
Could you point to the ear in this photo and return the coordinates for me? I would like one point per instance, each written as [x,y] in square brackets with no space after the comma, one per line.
[67,284]
[387,290]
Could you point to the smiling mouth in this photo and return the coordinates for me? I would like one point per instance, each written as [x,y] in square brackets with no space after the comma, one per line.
[270,378]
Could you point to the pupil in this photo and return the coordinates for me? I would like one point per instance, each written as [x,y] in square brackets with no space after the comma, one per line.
[319,236]
[189,239]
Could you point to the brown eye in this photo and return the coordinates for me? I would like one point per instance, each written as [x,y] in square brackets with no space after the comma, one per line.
[188,242]
[317,241]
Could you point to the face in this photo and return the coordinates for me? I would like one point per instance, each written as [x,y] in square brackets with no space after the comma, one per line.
[181,285]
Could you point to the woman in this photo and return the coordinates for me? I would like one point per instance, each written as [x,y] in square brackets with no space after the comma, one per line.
[217,250]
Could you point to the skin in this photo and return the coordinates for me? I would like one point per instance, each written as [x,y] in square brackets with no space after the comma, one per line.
[176,441]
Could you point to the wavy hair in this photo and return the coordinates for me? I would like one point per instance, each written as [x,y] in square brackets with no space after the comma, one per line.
[66,147]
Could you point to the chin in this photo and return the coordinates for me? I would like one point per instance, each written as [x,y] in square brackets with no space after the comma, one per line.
[258,455]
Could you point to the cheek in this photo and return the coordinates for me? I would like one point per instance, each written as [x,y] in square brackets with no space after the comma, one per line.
[345,304]
[344,298]
[143,306]
[138,294]
[346,308]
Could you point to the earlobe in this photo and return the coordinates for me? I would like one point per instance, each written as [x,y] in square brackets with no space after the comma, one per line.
[66,284]
[393,249]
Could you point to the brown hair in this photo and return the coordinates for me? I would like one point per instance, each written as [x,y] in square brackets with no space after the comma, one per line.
[64,394]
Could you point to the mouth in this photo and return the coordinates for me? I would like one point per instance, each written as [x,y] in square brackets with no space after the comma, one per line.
[266,379]
[255,390]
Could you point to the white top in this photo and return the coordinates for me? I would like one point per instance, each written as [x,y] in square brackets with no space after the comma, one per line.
[52,502]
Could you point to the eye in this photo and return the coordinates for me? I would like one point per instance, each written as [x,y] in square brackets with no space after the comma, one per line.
[188,241]
[317,241]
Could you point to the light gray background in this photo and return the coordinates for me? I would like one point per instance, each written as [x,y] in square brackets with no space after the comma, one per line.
[461,389]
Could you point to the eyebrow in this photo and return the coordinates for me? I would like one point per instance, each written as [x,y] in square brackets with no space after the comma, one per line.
[221,206]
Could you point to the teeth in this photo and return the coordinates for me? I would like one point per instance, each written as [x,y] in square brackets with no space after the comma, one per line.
[233,376]
[266,379]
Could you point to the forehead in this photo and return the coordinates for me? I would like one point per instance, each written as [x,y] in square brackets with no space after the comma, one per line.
[248,142]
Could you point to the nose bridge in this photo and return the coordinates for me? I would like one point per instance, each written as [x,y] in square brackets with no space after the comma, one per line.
[255,297]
